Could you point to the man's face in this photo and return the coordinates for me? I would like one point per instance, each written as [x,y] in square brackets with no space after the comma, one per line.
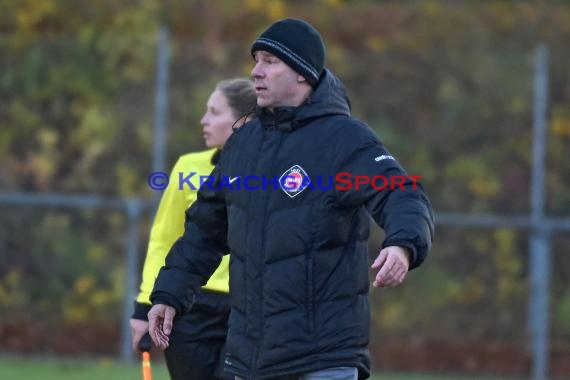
[276,84]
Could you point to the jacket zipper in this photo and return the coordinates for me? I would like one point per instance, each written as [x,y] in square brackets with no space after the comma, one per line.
[310,295]
[261,319]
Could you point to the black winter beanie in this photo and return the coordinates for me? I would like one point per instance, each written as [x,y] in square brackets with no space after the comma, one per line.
[298,44]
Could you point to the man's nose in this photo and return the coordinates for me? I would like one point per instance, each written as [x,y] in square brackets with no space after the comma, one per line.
[256,71]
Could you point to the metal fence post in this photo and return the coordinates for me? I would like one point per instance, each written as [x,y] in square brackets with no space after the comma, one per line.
[134,211]
[539,259]
[161,103]
[539,302]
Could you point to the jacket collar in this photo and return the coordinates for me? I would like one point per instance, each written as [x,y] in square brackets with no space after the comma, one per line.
[328,98]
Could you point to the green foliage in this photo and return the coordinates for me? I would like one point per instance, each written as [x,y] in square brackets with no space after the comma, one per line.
[446,84]
[67,275]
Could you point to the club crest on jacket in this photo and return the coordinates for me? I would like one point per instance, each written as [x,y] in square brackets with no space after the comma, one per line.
[294,181]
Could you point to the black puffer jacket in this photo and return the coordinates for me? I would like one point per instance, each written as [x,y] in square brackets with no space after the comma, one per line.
[299,264]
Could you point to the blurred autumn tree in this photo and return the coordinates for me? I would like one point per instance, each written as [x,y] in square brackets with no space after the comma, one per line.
[446,84]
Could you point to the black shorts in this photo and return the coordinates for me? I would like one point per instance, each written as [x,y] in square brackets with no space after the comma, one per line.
[197,341]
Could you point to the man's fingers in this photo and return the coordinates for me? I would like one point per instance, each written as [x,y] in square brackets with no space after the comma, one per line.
[162,340]
[168,318]
[386,271]
[380,259]
[153,320]
[154,333]
[392,273]
[394,278]
[155,325]
[160,324]
[159,338]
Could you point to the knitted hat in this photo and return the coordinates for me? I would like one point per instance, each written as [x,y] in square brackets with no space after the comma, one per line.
[298,44]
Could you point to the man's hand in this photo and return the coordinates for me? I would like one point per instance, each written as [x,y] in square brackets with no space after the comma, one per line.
[138,329]
[160,324]
[394,263]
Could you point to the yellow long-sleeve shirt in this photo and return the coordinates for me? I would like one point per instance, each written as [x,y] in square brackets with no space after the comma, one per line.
[168,224]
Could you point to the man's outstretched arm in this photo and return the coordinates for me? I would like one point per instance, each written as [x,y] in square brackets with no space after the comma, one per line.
[191,261]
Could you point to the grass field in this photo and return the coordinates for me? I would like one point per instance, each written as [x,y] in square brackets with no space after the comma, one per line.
[27,369]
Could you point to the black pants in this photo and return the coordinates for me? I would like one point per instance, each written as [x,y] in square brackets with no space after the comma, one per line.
[197,341]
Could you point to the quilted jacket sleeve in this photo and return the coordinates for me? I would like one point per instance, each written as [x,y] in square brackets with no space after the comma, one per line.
[396,200]
[196,255]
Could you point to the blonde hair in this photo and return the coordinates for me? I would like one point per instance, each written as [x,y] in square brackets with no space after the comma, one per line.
[240,94]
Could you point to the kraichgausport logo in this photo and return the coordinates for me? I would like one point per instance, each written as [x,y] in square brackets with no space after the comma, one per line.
[294,181]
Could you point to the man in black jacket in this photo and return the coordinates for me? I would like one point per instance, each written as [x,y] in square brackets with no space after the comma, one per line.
[290,199]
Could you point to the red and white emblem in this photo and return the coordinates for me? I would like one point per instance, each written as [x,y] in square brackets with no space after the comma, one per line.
[294,181]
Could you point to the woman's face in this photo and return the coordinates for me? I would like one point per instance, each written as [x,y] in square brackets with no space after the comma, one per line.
[217,121]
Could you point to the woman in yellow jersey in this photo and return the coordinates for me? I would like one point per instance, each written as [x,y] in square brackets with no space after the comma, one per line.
[198,337]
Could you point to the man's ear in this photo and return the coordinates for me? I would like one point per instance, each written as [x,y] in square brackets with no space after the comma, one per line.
[301,79]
